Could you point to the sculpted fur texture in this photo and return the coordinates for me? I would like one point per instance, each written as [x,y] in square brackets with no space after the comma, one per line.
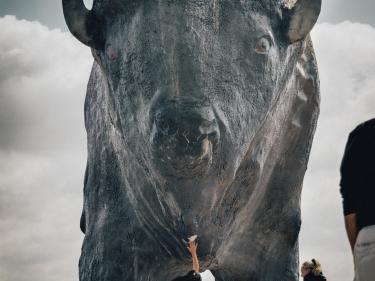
[199,117]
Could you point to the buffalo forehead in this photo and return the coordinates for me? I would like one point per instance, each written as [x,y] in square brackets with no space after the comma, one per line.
[111,7]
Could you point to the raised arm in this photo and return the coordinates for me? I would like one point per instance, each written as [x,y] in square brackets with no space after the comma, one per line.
[193,251]
[351,229]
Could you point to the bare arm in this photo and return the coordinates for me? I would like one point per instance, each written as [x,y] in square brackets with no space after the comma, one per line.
[351,173]
[351,228]
[193,251]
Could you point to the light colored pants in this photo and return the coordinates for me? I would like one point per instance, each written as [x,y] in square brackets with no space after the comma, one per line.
[364,255]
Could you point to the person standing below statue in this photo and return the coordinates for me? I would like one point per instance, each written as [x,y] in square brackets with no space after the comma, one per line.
[358,193]
[192,275]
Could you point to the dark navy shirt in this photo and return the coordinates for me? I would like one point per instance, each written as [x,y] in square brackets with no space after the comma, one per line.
[191,276]
[358,174]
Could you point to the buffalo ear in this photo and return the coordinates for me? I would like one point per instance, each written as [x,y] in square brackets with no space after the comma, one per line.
[83,24]
[301,18]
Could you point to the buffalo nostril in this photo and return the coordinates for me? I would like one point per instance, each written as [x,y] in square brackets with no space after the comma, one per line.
[209,130]
[213,137]
[165,124]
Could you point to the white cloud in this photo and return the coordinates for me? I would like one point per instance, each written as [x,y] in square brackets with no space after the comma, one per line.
[43,77]
[42,82]
[346,61]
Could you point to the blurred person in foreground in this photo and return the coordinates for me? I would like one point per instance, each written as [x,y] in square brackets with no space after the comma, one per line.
[312,271]
[358,193]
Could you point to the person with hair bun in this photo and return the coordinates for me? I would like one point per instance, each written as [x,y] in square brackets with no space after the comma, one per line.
[312,271]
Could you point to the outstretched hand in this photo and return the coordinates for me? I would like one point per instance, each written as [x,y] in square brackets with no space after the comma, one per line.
[192,247]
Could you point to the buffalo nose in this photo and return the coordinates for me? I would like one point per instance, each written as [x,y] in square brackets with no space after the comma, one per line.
[188,127]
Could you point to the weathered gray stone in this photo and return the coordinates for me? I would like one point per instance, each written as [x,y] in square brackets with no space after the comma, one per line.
[199,117]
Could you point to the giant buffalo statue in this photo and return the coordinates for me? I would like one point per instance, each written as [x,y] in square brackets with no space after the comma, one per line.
[200,116]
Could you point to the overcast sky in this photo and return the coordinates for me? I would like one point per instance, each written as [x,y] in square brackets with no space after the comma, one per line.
[49,12]
[43,76]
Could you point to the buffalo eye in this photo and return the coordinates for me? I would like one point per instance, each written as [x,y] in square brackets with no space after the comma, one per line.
[263,45]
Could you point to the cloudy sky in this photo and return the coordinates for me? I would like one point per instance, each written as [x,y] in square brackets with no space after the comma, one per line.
[43,75]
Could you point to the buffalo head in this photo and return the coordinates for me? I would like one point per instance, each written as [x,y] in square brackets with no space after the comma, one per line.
[199,116]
